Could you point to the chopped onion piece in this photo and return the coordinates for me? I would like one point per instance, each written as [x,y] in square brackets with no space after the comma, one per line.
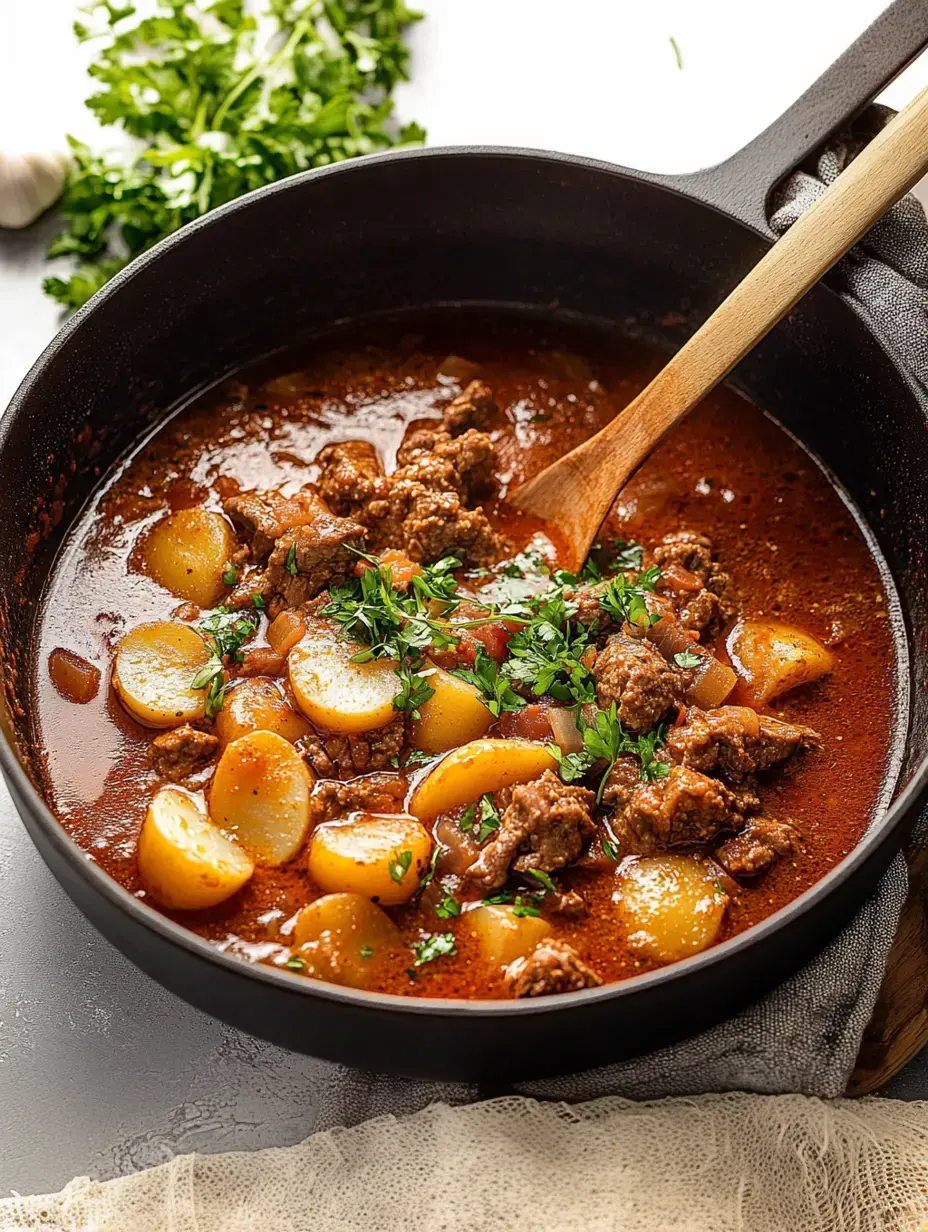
[564,729]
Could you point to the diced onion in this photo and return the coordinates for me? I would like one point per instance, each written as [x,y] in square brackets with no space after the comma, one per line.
[564,729]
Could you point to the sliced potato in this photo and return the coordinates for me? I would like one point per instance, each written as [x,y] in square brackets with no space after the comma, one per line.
[344,938]
[187,552]
[671,905]
[260,796]
[379,855]
[771,658]
[453,715]
[185,862]
[475,768]
[256,704]
[155,665]
[502,936]
[336,694]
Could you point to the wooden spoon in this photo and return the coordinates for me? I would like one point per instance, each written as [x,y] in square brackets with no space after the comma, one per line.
[582,485]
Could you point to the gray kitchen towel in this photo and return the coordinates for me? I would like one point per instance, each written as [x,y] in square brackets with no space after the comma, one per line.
[804,1036]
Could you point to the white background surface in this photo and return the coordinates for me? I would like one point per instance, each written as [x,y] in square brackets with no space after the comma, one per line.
[100,1070]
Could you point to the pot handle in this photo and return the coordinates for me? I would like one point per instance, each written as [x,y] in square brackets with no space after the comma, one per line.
[742,184]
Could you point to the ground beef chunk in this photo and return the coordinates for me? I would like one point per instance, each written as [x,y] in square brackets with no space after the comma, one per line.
[547,822]
[374,793]
[700,591]
[684,807]
[567,903]
[179,753]
[309,558]
[553,966]
[474,408]
[759,844]
[350,475]
[262,517]
[465,464]
[623,778]
[632,673]
[428,525]
[343,757]
[735,741]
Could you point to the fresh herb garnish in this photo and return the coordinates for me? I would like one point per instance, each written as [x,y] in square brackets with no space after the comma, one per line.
[677,54]
[224,633]
[548,655]
[290,564]
[436,945]
[258,601]
[523,907]
[627,556]
[220,104]
[687,658]
[429,873]
[547,884]
[498,899]
[366,951]
[230,574]
[625,601]
[415,757]
[605,739]
[489,818]
[399,867]
[295,963]
[468,817]
[497,689]
[448,908]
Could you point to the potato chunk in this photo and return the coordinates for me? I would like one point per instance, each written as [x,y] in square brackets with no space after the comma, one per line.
[260,795]
[185,863]
[155,665]
[186,554]
[771,658]
[502,936]
[344,938]
[453,715]
[379,855]
[336,694]
[475,768]
[671,905]
[256,704]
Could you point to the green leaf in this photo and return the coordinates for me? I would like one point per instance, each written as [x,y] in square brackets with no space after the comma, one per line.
[687,658]
[436,945]
[399,867]
[295,963]
[448,908]
[290,564]
[540,875]
[366,951]
[230,575]
[489,818]
[468,817]
[495,688]
[524,907]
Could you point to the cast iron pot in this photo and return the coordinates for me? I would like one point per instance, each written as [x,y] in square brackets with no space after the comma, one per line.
[511,229]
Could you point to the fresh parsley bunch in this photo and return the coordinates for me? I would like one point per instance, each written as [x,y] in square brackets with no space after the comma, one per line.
[220,102]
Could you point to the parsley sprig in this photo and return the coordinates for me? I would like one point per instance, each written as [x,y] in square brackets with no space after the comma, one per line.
[224,633]
[606,739]
[220,104]
[435,945]
[547,655]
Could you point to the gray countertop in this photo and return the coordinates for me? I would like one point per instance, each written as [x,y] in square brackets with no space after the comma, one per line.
[101,1071]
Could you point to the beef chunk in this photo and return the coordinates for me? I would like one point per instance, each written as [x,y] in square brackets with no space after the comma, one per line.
[699,590]
[568,903]
[546,822]
[262,517]
[343,757]
[465,465]
[374,793]
[735,741]
[179,753]
[428,525]
[623,778]
[632,673]
[553,966]
[684,807]
[309,558]
[350,475]
[473,408]
[759,844]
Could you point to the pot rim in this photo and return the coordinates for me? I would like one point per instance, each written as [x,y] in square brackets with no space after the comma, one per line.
[26,794]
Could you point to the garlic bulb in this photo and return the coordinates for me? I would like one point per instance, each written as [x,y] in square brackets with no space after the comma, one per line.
[29,184]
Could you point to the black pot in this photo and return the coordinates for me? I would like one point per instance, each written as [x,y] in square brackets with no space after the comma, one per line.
[498,227]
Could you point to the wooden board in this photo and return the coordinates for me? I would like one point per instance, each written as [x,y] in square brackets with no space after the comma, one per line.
[899,1026]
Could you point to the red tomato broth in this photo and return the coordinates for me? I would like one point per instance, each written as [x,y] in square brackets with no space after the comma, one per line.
[776,523]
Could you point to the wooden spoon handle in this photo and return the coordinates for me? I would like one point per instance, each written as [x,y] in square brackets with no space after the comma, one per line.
[593,473]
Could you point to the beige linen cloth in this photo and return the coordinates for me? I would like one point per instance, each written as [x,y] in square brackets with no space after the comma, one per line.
[713,1163]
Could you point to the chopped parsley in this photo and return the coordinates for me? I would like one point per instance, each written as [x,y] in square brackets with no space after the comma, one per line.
[415,757]
[497,689]
[625,600]
[468,817]
[366,951]
[295,963]
[482,811]
[607,740]
[400,866]
[436,945]
[547,655]
[290,564]
[548,885]
[687,658]
[523,907]
[224,633]
[429,874]
[448,908]
[217,103]
[230,574]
